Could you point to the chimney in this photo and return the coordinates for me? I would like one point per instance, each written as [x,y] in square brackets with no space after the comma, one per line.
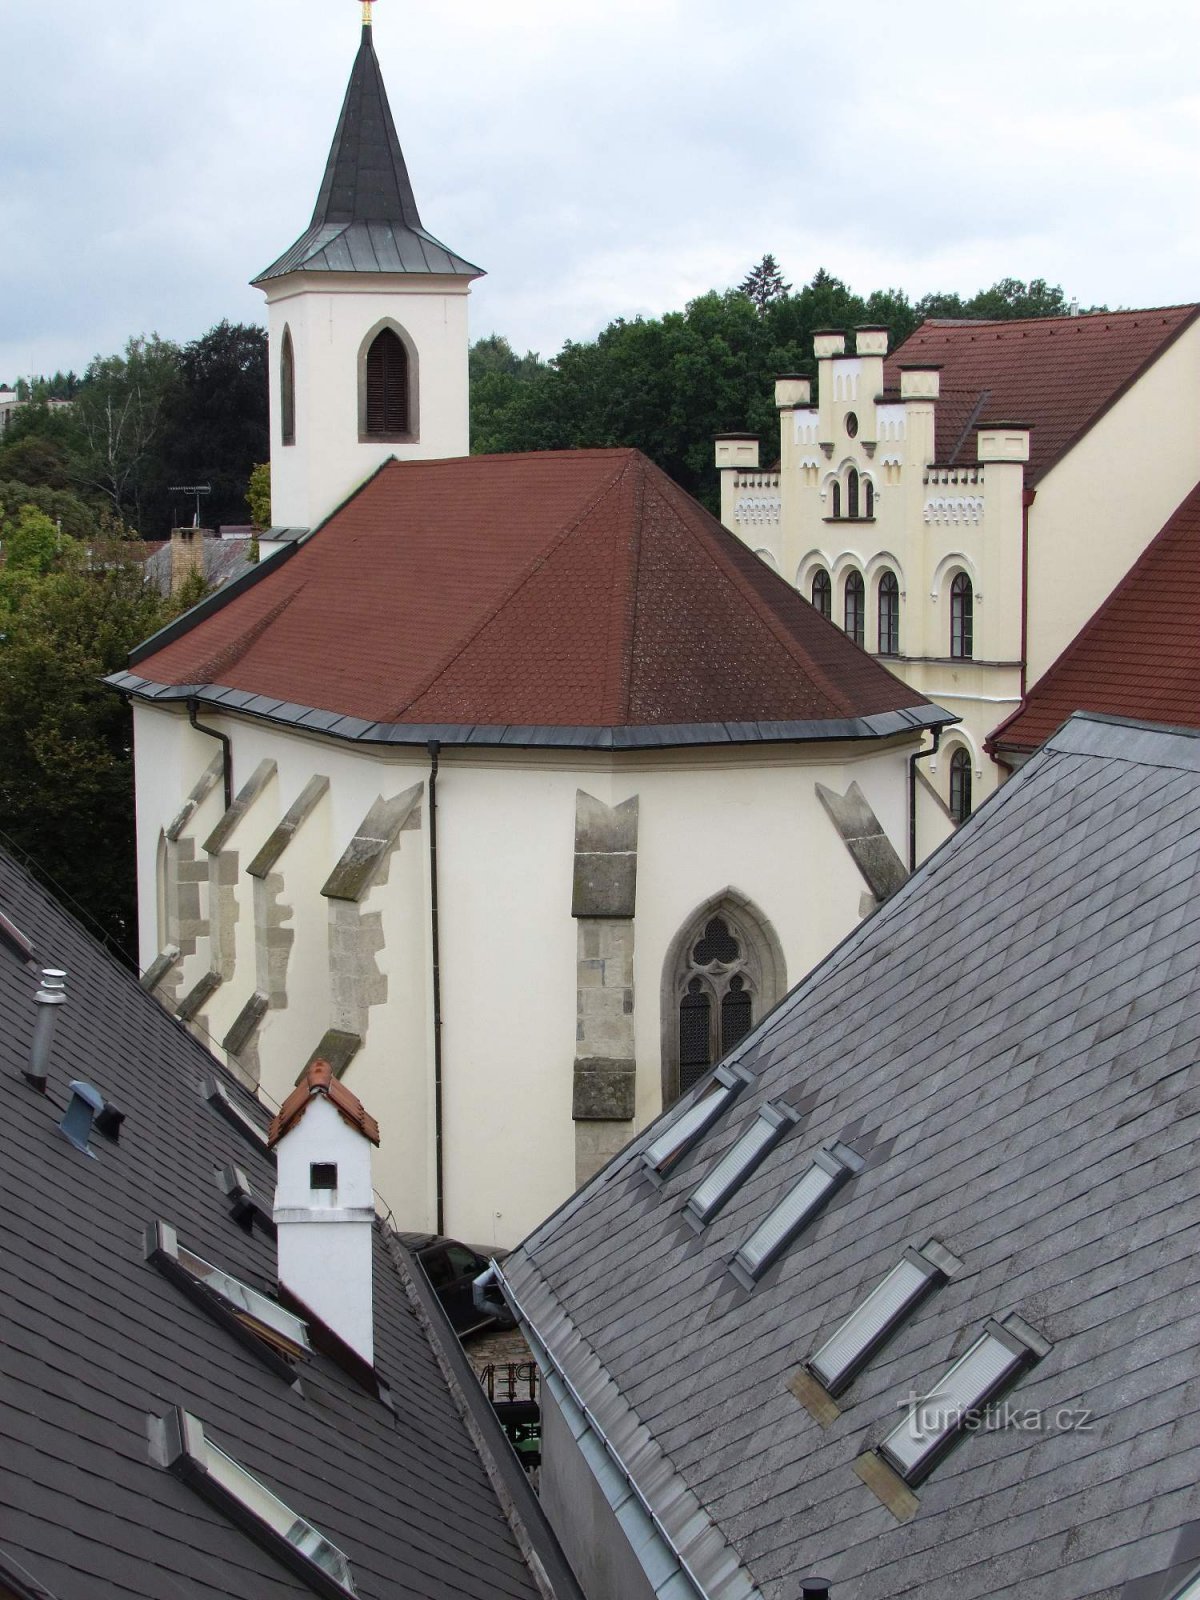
[324,1205]
[50,996]
[187,556]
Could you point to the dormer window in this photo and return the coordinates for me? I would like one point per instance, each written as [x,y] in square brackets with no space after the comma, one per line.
[248,1308]
[186,1451]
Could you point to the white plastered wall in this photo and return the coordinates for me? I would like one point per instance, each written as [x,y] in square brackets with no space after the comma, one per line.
[330,315]
[749,820]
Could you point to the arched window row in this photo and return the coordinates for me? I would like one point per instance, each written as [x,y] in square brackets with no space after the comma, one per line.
[854,613]
[857,496]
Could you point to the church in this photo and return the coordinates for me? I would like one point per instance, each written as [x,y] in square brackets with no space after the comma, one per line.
[515,787]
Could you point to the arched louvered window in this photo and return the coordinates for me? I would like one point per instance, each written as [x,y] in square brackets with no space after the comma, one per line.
[960,785]
[855,608]
[287,389]
[387,396]
[822,592]
[962,618]
[724,970]
[889,615]
[837,498]
[852,493]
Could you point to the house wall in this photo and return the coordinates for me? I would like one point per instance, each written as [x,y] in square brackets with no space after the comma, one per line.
[1099,508]
[330,315]
[749,820]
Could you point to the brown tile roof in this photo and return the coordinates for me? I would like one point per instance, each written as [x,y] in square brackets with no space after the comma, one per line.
[1059,374]
[1139,655]
[317,1079]
[570,589]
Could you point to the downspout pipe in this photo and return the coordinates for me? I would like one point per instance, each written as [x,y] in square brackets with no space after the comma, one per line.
[227,764]
[434,747]
[917,755]
[1028,496]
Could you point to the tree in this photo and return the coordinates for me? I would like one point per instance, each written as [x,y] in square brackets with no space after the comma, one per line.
[258,496]
[31,541]
[216,423]
[764,283]
[1007,299]
[120,413]
[66,771]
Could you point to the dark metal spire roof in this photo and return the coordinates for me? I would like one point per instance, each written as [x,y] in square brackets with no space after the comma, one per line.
[366,217]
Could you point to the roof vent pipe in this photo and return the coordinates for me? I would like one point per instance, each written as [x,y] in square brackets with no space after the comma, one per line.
[50,996]
[86,1103]
[815,1588]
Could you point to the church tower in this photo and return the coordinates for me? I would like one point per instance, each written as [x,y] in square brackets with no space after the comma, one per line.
[368,321]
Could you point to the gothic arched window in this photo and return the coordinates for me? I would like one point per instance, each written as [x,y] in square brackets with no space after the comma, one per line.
[855,607]
[960,785]
[387,412]
[837,498]
[962,618]
[287,389]
[869,497]
[724,971]
[889,615]
[822,592]
[852,493]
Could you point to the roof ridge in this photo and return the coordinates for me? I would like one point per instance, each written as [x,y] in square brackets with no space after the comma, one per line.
[524,577]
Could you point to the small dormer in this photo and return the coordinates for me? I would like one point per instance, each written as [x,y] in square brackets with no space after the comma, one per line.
[325,1204]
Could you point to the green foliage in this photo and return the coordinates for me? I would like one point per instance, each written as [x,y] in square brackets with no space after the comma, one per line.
[258,496]
[764,283]
[31,542]
[120,412]
[66,771]
[79,521]
[668,384]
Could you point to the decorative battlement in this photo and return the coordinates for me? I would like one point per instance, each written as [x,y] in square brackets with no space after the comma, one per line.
[792,389]
[829,342]
[1002,441]
[920,383]
[954,475]
[871,341]
[737,450]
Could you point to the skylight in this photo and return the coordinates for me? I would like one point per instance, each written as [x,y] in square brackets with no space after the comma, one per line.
[686,1130]
[215,1092]
[264,1317]
[1190,1590]
[763,1134]
[225,1482]
[958,1400]
[245,1206]
[12,936]
[872,1323]
[830,1169]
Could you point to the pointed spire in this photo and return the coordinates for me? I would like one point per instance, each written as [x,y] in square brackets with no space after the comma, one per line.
[366,217]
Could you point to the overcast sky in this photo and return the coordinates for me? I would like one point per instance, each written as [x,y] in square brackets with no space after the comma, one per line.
[599,158]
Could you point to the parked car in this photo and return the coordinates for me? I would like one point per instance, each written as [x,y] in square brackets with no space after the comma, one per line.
[452,1268]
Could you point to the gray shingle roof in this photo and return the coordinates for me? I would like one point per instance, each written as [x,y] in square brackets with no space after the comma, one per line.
[94,1339]
[1012,1043]
[366,217]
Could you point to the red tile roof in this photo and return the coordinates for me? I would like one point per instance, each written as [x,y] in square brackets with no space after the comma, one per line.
[1059,374]
[564,589]
[318,1078]
[1139,656]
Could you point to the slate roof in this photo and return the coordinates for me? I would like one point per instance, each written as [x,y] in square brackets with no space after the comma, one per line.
[366,217]
[1139,655]
[1059,375]
[1011,1041]
[94,1340]
[572,592]
[224,560]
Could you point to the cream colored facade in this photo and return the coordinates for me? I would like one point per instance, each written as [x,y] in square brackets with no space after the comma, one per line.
[331,319]
[527,981]
[1039,562]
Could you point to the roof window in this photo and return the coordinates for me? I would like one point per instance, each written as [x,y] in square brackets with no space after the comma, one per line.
[830,1169]
[245,1207]
[736,1165]
[263,1317]
[241,1496]
[219,1097]
[956,1402]
[872,1323]
[690,1127]
[1190,1590]
[15,940]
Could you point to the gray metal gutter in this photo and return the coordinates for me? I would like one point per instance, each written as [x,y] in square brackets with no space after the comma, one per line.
[650,736]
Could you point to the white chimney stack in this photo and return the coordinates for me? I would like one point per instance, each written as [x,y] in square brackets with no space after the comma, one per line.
[325,1207]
